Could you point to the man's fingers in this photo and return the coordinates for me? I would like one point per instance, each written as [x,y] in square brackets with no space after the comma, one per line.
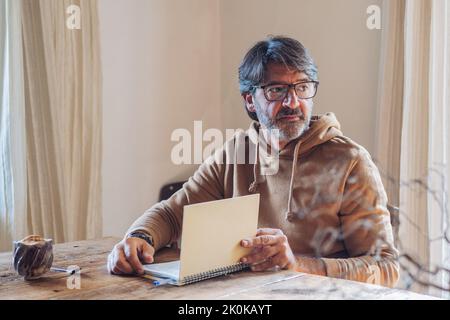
[131,255]
[117,262]
[274,250]
[112,263]
[261,255]
[270,263]
[269,231]
[263,240]
[126,256]
[262,266]
[147,252]
[122,263]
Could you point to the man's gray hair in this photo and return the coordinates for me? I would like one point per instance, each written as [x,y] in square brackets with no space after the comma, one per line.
[275,49]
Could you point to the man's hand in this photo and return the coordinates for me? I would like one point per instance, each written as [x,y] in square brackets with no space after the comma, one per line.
[128,255]
[270,249]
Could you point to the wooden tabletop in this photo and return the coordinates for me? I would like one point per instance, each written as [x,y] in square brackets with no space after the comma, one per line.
[96,283]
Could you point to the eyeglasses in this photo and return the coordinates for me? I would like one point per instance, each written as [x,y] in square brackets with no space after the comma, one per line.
[278,92]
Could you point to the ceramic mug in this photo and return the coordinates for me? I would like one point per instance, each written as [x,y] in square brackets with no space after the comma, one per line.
[33,256]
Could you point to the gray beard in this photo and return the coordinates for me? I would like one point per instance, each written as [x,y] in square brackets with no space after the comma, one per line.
[288,130]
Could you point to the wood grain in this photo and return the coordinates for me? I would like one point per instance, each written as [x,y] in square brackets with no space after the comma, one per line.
[97,283]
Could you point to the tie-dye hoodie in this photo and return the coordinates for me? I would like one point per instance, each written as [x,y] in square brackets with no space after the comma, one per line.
[327,197]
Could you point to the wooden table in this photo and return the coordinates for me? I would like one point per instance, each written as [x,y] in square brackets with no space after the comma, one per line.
[97,283]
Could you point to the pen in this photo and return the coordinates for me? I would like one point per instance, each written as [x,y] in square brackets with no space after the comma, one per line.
[58,269]
[161,282]
[157,281]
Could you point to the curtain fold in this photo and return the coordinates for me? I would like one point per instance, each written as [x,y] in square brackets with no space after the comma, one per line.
[439,144]
[390,98]
[51,120]
[13,179]
[413,131]
[63,120]
[390,102]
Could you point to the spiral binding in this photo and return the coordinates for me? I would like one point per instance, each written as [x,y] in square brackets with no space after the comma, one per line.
[213,273]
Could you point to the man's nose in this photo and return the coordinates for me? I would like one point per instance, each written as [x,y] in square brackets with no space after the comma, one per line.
[291,100]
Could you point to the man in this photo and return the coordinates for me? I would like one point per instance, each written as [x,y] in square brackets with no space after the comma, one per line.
[324,211]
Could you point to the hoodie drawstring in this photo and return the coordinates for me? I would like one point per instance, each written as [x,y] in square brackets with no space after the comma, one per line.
[254,185]
[289,214]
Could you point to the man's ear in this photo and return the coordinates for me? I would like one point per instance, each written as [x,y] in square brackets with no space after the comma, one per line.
[248,99]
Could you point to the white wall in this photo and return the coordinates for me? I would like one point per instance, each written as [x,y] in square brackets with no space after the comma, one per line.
[160,72]
[335,32]
[167,63]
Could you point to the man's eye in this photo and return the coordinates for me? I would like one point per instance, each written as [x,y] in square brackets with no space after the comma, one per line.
[302,88]
[276,89]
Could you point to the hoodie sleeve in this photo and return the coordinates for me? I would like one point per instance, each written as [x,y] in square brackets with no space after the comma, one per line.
[163,220]
[366,228]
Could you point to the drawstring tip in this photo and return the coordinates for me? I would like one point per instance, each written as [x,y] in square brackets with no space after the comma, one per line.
[290,216]
[253,187]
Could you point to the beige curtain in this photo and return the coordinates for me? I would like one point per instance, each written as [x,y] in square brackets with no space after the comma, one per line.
[390,101]
[390,98]
[412,90]
[12,127]
[415,134]
[439,144]
[63,120]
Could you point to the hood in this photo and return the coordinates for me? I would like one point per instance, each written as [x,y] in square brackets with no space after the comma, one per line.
[322,129]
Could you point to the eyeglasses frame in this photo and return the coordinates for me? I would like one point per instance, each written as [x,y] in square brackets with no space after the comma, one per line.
[291,85]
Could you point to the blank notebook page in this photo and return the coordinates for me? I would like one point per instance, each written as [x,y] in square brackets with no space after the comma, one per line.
[212,232]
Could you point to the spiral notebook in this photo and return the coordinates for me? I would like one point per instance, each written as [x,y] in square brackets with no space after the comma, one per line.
[210,240]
